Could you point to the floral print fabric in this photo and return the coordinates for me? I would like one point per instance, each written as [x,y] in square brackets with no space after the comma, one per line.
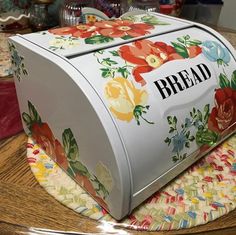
[204,192]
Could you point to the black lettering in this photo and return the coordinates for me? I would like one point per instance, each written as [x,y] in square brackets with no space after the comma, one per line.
[186,80]
[163,89]
[174,82]
[204,69]
[196,77]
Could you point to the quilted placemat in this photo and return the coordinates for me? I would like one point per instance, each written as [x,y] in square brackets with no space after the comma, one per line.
[204,192]
[5,59]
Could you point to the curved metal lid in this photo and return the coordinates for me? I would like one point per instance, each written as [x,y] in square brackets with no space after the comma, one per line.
[83,38]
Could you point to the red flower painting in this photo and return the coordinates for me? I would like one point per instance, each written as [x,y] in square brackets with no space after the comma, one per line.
[66,154]
[44,137]
[63,31]
[146,55]
[122,28]
[78,31]
[223,115]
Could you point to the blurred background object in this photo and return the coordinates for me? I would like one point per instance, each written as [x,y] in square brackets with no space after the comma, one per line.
[208,11]
[14,15]
[227,15]
[171,7]
[112,8]
[203,11]
[189,9]
[146,5]
[40,19]
[70,12]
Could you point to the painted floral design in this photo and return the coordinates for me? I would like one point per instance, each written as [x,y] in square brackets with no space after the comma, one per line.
[126,102]
[141,56]
[78,31]
[17,61]
[43,135]
[106,31]
[103,174]
[67,155]
[185,47]
[146,55]
[216,53]
[147,18]
[62,42]
[194,128]
[223,115]
[122,28]
[111,68]
[212,125]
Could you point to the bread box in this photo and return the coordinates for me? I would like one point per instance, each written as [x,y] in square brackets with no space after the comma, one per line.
[124,106]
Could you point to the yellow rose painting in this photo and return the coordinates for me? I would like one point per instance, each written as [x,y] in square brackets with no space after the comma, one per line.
[125,100]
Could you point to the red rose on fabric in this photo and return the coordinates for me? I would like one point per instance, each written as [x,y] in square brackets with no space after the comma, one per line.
[223,115]
[44,137]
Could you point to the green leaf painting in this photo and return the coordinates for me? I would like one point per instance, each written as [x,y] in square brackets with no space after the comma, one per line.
[110,67]
[114,53]
[98,39]
[70,145]
[108,62]
[79,168]
[183,44]
[195,127]
[33,113]
[31,117]
[18,64]
[152,20]
[107,72]
[180,49]
[233,80]
[224,81]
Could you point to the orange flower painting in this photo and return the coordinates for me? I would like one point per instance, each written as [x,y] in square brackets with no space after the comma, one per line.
[145,55]
[122,28]
[79,31]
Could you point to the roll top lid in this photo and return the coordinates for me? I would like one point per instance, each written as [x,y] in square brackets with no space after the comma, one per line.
[84,38]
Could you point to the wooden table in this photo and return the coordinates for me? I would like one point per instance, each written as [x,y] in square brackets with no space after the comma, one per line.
[25,205]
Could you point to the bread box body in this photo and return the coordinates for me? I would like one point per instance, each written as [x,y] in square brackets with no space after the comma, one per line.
[125,106]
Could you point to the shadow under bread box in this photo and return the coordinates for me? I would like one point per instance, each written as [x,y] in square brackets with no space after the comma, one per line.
[124,106]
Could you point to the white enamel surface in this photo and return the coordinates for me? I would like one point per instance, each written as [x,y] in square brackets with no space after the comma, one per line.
[64,99]
[149,156]
[46,39]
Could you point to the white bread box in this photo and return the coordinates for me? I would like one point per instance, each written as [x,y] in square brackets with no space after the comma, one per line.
[124,106]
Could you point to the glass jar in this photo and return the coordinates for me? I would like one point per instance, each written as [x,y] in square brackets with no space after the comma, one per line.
[146,5]
[70,12]
[112,8]
[39,17]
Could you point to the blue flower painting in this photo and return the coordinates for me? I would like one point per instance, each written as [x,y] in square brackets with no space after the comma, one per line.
[214,52]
